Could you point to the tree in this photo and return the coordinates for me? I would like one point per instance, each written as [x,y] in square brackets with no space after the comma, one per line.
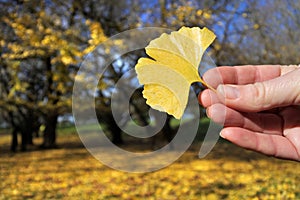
[42,55]
[43,42]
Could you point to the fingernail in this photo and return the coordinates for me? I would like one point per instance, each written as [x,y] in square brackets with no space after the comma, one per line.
[222,136]
[228,91]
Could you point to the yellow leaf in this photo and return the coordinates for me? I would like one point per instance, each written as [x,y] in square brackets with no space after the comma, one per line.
[168,76]
[256,26]
[199,12]
[207,15]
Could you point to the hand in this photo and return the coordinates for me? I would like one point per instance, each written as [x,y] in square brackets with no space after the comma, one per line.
[259,107]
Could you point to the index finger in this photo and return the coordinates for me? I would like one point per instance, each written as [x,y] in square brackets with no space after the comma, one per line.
[245,74]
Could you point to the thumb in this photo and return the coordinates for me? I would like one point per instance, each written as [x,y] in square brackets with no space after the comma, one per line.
[278,92]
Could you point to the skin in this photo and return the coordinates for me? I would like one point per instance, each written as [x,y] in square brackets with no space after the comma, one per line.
[259,107]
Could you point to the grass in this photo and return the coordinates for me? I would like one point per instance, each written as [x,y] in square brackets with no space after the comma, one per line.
[70,172]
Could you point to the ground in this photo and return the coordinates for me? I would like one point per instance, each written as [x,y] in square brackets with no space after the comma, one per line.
[70,172]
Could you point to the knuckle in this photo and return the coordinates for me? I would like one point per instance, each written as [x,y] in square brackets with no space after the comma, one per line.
[259,95]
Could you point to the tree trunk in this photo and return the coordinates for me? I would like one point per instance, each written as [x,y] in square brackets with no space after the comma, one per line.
[14,141]
[27,131]
[116,135]
[114,130]
[107,118]
[24,134]
[165,135]
[50,131]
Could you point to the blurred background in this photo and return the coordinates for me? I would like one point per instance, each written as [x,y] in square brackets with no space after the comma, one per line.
[42,44]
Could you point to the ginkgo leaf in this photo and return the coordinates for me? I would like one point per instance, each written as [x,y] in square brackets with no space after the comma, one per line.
[167,77]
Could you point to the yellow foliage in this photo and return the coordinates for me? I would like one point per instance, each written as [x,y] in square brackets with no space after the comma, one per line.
[199,12]
[217,46]
[256,26]
[97,33]
[207,15]
[55,77]
[61,87]
[66,60]
[39,39]
[2,43]
[228,172]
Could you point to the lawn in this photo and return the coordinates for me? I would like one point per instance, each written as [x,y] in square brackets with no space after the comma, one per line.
[70,172]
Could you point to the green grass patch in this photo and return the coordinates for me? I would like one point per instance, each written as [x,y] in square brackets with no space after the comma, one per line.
[66,130]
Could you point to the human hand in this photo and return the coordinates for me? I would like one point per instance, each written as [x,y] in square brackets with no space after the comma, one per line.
[259,107]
